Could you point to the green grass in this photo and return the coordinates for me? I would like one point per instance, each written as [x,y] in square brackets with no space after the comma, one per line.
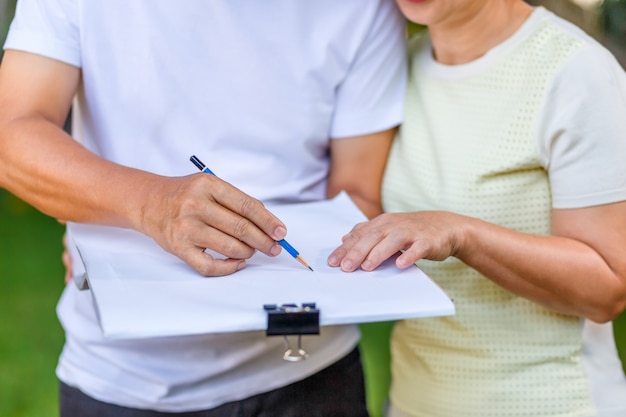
[375,356]
[31,281]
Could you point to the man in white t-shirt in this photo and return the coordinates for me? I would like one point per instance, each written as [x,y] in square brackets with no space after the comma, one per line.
[289,101]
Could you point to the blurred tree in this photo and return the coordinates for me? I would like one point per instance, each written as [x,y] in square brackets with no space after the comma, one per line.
[605,20]
[7,9]
[614,27]
[614,19]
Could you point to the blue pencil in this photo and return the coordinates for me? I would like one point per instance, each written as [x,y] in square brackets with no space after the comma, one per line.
[290,249]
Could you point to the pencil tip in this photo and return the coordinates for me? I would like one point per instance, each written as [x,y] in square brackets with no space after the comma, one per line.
[311,269]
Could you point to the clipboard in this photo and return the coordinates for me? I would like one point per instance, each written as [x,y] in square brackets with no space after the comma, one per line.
[141,291]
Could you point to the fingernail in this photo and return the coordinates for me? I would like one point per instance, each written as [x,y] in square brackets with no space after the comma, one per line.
[366,265]
[275,250]
[333,260]
[346,265]
[402,263]
[280,232]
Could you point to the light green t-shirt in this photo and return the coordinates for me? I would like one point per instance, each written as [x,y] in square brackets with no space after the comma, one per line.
[481,139]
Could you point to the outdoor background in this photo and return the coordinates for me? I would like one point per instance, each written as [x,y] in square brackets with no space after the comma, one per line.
[31,274]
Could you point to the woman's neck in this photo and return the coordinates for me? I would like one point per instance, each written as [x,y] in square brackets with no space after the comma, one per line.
[475,32]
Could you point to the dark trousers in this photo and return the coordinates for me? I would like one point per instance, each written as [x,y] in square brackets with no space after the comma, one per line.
[337,391]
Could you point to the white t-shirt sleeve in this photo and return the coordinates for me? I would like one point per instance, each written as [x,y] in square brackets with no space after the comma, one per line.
[46,28]
[583,131]
[370,97]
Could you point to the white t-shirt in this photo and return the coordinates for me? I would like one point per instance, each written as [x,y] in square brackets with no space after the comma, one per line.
[255,89]
[536,123]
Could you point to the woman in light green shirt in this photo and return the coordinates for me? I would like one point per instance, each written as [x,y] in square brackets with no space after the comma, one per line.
[507,185]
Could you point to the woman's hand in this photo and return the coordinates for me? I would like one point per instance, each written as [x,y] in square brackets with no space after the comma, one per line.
[579,269]
[433,235]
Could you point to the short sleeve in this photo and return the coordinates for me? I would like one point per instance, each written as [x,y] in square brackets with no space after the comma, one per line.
[370,97]
[48,28]
[583,131]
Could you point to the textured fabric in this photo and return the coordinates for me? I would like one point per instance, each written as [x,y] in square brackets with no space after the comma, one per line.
[475,140]
[255,89]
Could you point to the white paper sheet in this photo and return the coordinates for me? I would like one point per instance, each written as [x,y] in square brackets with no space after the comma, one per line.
[140,290]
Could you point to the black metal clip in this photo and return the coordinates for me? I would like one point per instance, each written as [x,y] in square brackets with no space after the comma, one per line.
[289,319]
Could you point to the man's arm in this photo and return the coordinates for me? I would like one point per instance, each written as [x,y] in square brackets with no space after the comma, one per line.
[357,166]
[43,165]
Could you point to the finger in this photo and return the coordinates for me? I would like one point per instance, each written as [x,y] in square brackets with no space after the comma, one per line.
[208,266]
[336,256]
[194,233]
[387,248]
[233,235]
[358,230]
[347,242]
[407,259]
[251,209]
[192,253]
[416,251]
[358,247]
[379,254]
[373,249]
[222,243]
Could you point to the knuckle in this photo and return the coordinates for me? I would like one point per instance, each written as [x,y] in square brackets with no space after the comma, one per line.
[357,252]
[378,233]
[207,267]
[360,227]
[351,237]
[356,234]
[399,241]
[241,228]
[236,249]
[228,248]
[249,206]
[383,218]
